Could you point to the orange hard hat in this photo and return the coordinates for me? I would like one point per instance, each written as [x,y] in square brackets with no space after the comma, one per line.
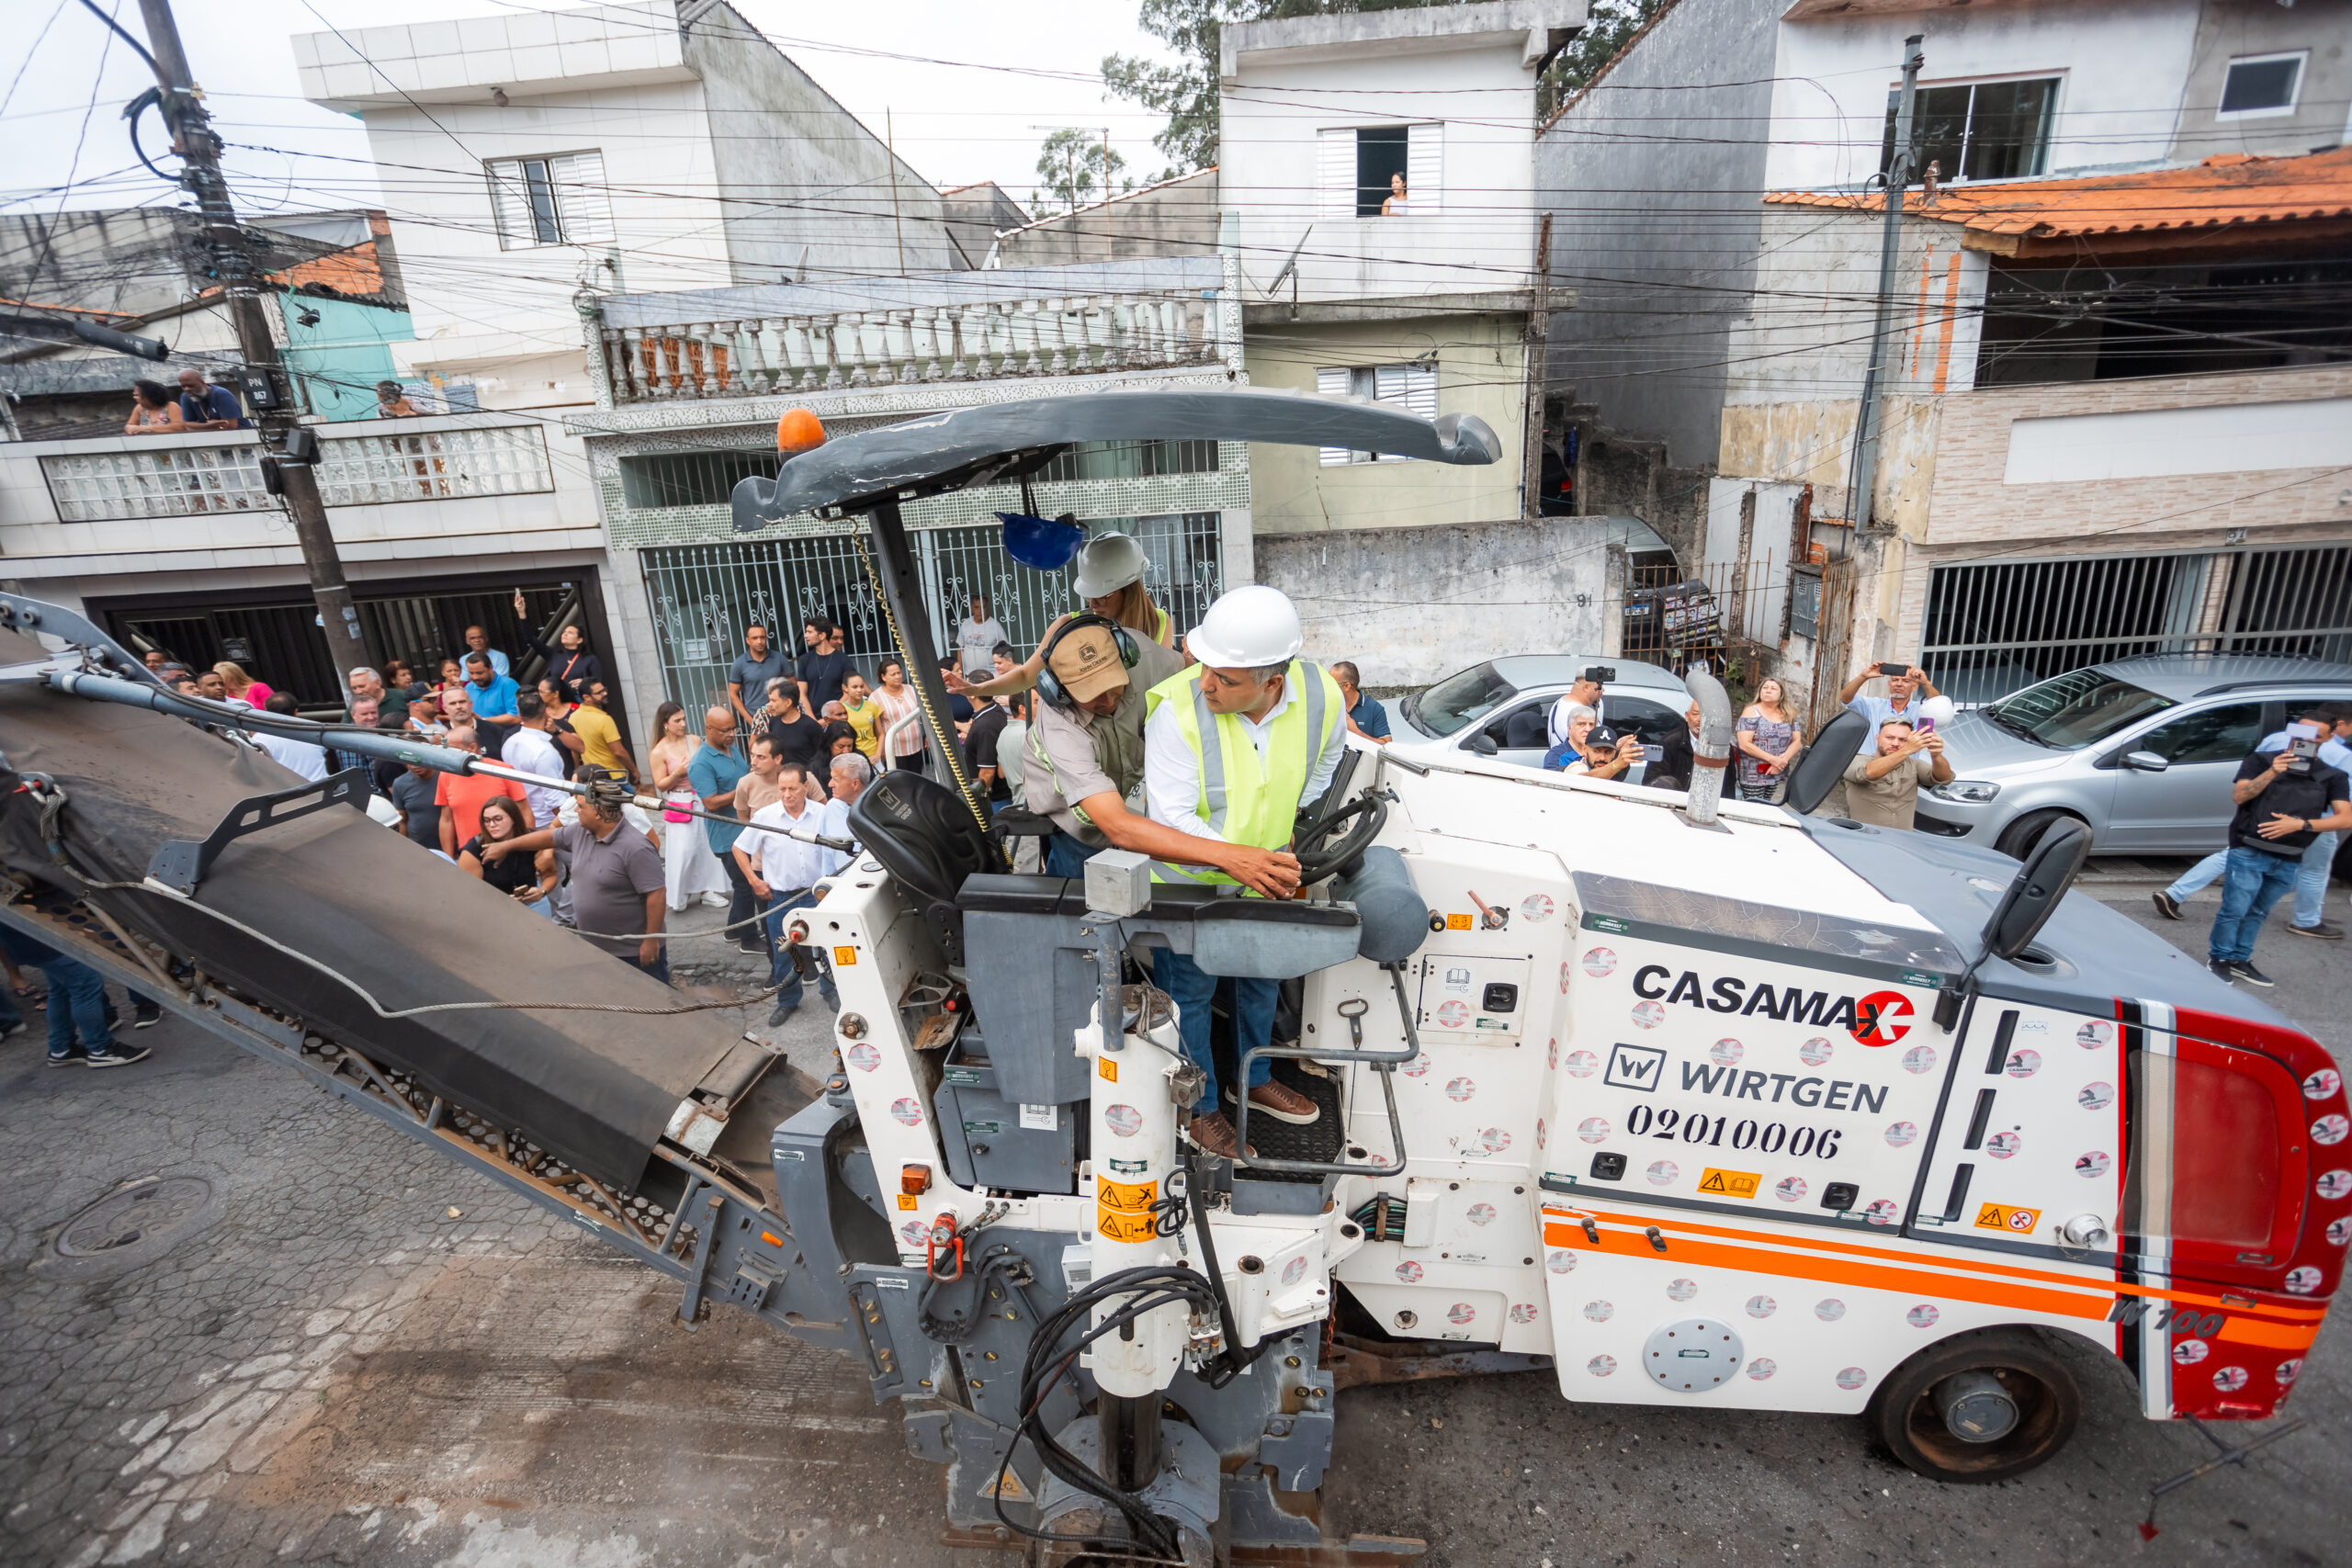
[798,432]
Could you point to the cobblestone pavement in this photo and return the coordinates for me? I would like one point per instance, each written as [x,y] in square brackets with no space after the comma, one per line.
[358,1353]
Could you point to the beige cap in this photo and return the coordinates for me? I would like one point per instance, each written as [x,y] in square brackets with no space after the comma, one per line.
[1087,664]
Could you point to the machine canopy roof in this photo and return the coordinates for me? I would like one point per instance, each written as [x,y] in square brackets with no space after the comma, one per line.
[1005,442]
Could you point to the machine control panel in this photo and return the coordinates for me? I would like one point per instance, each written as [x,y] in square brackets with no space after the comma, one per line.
[1476,999]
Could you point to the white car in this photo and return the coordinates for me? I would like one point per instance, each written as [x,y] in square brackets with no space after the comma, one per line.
[1508,701]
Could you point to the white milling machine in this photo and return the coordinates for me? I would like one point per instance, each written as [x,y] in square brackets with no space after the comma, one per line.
[1687,1101]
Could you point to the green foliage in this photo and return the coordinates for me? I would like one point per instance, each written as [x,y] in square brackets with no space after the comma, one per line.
[1611,25]
[1186,92]
[1076,166]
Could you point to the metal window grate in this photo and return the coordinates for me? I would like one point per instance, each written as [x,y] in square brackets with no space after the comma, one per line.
[1131,460]
[705,595]
[690,478]
[1995,628]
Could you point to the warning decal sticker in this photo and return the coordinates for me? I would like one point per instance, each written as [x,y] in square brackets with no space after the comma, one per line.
[2007,1217]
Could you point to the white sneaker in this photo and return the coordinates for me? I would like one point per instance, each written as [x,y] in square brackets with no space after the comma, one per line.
[714,900]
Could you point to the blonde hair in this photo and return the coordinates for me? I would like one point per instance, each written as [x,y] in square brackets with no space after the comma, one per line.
[1780,710]
[234,676]
[1137,612]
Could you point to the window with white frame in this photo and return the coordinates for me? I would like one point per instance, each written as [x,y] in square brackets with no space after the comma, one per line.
[556,200]
[2263,84]
[1357,167]
[1412,387]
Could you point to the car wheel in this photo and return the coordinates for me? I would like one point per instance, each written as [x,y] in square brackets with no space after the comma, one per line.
[2017,839]
[1978,1407]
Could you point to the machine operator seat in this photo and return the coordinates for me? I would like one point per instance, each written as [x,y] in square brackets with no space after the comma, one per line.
[925,836]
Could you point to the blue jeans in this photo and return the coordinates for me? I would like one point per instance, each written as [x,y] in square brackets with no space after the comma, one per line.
[659,968]
[1253,1018]
[2252,882]
[77,1005]
[784,972]
[1066,857]
[2311,881]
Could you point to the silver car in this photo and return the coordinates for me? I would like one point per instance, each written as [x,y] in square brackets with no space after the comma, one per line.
[2140,751]
[1507,702]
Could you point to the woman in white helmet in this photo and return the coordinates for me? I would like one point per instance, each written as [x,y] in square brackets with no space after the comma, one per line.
[1110,578]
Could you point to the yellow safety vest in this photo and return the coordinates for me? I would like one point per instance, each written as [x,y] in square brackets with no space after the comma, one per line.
[1245,800]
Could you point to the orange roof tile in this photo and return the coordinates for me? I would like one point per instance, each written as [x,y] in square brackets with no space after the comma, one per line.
[2227,192]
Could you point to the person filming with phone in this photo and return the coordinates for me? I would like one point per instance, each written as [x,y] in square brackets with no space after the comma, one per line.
[1883,789]
[2285,800]
[1906,686]
[1593,750]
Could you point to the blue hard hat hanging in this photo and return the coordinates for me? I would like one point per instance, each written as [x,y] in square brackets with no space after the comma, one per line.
[1045,544]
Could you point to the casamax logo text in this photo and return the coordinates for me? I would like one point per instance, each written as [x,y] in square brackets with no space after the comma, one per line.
[1879,1018]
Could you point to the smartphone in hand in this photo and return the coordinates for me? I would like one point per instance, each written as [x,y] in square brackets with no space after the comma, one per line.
[1894,667]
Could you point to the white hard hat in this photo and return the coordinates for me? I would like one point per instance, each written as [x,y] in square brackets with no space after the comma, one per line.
[1107,563]
[1246,628]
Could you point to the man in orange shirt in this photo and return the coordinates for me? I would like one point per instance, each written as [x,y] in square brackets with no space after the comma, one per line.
[460,795]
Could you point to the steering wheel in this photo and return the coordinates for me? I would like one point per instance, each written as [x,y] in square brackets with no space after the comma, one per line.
[1319,855]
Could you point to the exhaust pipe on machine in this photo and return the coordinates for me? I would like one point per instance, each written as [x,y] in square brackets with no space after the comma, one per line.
[1712,754]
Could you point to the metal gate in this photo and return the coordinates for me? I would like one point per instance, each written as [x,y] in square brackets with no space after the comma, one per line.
[1994,627]
[703,596]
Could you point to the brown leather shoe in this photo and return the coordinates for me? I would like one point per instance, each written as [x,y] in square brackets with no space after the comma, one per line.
[1214,1135]
[1283,1103]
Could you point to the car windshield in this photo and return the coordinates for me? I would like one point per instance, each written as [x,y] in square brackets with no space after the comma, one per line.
[1459,700]
[2079,708]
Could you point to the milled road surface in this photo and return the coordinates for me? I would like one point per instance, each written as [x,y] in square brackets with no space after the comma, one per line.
[330,1366]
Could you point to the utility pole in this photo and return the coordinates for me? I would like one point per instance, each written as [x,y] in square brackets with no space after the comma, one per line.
[1869,416]
[890,147]
[1534,346]
[267,388]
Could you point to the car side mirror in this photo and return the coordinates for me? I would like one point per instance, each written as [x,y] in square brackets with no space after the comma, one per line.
[1483,744]
[1823,762]
[2145,763]
[2034,893]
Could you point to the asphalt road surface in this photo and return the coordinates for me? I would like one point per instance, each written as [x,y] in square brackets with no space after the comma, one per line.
[329,1346]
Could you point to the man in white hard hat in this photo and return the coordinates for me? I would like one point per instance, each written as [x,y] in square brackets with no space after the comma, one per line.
[1085,758]
[1232,747]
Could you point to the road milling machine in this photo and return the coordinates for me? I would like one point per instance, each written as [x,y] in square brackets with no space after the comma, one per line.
[1675,1099]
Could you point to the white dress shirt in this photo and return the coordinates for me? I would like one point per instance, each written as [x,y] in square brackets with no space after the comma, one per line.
[304,757]
[1171,773]
[786,864]
[531,751]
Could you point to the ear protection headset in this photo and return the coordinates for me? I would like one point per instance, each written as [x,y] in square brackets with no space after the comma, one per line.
[1051,689]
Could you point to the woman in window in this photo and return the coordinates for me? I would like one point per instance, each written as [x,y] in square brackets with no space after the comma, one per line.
[529,880]
[898,705]
[1395,207]
[1768,739]
[693,872]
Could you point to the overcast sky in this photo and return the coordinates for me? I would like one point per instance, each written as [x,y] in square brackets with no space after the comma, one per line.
[63,87]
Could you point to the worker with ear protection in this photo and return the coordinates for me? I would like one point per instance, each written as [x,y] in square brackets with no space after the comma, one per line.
[1084,767]
[1233,747]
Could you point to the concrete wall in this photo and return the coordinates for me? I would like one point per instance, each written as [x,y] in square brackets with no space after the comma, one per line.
[1480,364]
[1176,218]
[1409,606]
[798,174]
[1657,231]
[2122,64]
[2232,29]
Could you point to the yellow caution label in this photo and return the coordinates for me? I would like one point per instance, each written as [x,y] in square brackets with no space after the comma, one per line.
[1013,1487]
[844,958]
[1125,1194]
[2007,1217]
[1729,1183]
[1108,1069]
[1457,922]
[908,1201]
[1120,1224]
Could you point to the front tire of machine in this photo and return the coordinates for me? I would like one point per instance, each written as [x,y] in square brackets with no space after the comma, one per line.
[2017,839]
[1904,1417]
